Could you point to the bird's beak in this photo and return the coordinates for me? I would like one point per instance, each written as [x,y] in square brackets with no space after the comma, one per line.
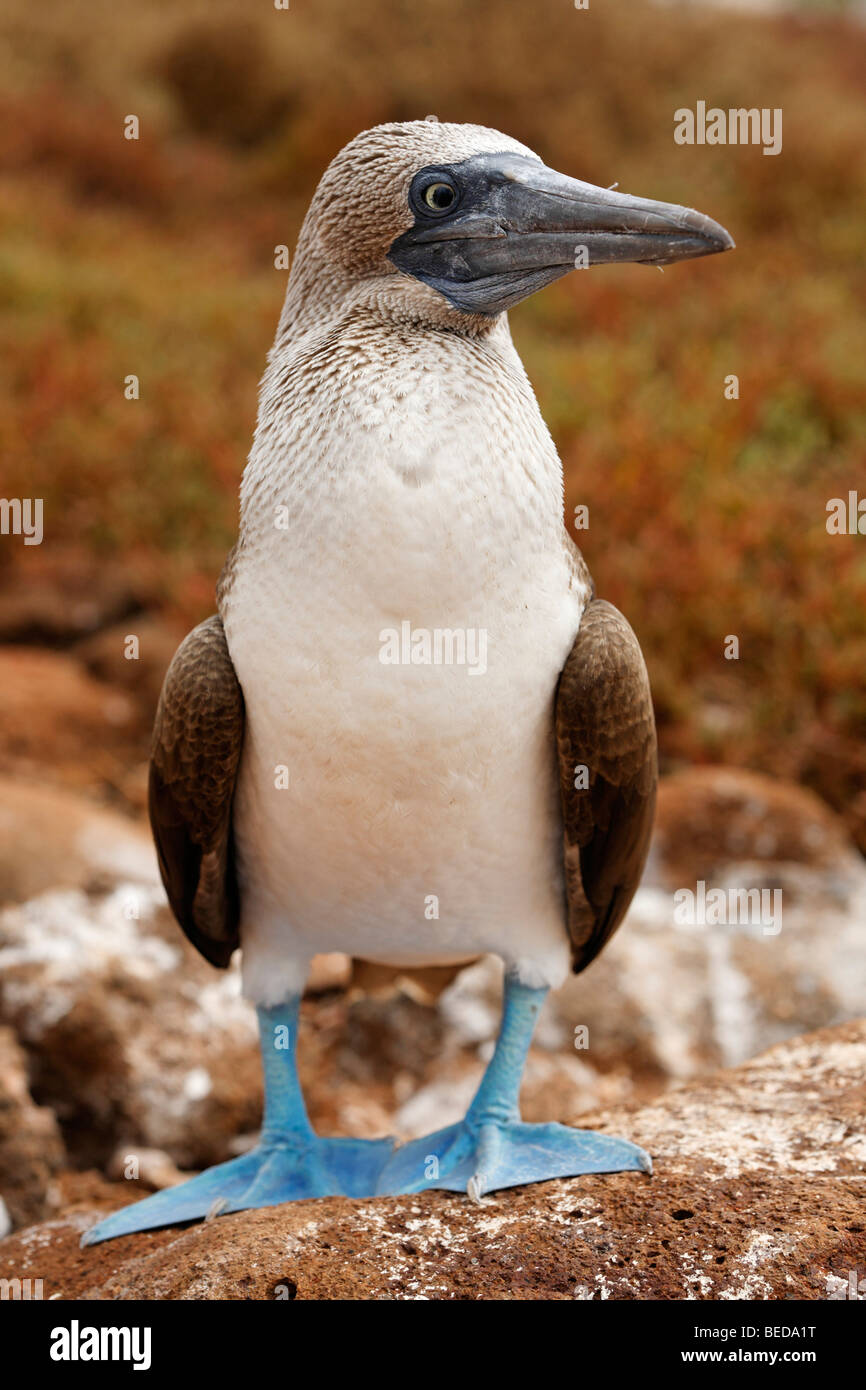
[519,226]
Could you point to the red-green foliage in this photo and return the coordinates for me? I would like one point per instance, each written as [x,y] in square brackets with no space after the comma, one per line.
[707,515]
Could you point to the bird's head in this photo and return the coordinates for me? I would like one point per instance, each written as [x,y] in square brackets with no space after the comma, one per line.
[459,222]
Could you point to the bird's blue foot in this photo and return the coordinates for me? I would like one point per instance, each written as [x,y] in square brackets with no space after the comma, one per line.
[289,1163]
[275,1171]
[479,1158]
[492,1147]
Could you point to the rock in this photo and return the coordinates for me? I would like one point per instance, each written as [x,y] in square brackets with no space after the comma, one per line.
[89,844]
[757,1194]
[31,1149]
[58,724]
[424,983]
[672,1001]
[710,818]
[133,1039]
[152,1167]
[104,654]
[332,970]
[66,595]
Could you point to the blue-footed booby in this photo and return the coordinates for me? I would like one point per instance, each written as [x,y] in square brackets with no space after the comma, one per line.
[411,695]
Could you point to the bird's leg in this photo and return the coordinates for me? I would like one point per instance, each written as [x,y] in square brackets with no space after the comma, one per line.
[492,1147]
[289,1162]
[285,1120]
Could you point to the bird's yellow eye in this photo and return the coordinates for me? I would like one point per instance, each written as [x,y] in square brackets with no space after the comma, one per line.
[439,196]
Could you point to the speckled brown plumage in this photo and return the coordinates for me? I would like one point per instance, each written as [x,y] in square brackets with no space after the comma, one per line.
[604,720]
[197,743]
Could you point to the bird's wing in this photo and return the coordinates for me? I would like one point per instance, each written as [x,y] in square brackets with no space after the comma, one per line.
[604,724]
[194,761]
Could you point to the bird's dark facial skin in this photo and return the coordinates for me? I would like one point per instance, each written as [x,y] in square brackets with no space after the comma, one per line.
[495,228]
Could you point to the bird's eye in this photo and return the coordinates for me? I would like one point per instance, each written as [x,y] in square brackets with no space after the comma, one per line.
[439,196]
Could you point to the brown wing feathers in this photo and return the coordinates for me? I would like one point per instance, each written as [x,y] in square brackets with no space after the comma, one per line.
[197,742]
[603,719]
[604,723]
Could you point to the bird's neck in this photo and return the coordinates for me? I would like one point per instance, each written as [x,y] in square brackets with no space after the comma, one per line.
[383,440]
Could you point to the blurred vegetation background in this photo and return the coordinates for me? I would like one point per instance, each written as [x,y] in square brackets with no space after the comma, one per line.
[156,257]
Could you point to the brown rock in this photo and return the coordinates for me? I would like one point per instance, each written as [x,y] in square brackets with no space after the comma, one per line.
[104,654]
[152,1167]
[710,817]
[57,597]
[132,1037]
[59,724]
[51,837]
[672,1001]
[31,1149]
[757,1194]
[329,971]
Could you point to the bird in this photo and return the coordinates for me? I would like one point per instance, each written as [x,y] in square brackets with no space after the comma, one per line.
[411,732]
